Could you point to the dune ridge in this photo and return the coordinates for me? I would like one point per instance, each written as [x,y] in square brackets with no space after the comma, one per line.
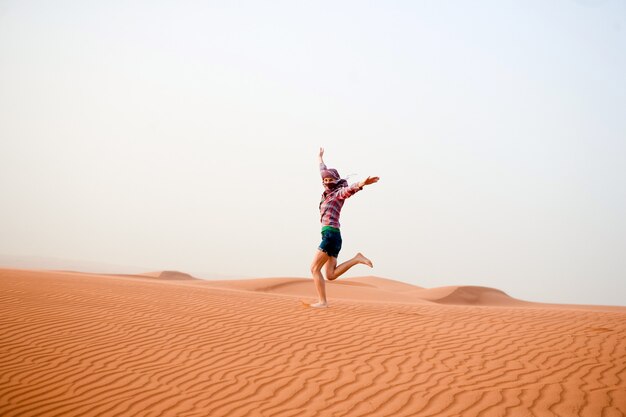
[86,345]
[169,275]
[373,288]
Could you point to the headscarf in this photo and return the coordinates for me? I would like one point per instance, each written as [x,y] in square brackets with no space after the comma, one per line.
[334,174]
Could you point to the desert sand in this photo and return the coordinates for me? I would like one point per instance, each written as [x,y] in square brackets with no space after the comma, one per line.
[166,344]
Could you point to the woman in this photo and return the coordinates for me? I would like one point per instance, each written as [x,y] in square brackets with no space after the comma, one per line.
[336,192]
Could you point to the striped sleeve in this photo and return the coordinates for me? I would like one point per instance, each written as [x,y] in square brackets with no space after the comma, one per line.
[346,192]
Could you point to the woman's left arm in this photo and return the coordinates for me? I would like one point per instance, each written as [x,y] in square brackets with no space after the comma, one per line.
[346,192]
[368,181]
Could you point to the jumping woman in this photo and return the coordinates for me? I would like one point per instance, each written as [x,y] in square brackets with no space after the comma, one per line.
[336,191]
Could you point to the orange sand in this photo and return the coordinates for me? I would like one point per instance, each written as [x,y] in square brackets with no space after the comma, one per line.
[164,344]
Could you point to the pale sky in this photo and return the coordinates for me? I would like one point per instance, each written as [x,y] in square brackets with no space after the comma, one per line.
[183,135]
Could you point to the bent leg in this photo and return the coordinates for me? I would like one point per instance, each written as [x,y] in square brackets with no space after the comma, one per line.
[316,270]
[334,271]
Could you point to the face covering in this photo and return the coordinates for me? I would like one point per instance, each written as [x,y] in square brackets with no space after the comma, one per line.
[330,186]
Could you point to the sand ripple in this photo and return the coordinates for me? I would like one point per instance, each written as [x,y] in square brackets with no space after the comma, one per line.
[87,345]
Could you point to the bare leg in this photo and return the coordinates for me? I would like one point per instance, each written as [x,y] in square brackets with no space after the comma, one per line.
[320,285]
[334,271]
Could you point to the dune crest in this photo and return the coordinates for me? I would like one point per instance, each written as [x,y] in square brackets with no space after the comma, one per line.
[359,288]
[372,288]
[169,275]
[470,295]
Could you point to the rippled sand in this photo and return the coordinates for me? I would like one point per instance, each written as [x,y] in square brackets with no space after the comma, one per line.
[75,344]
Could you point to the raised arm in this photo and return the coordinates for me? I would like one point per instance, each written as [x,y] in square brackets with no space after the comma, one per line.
[321,159]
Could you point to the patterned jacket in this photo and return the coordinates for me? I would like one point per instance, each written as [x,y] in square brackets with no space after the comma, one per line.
[332,202]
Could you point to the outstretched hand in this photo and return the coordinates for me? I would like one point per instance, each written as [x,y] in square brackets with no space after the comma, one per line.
[368,181]
[321,152]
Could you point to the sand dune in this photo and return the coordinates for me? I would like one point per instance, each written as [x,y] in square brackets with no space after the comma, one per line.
[361,288]
[470,295]
[169,275]
[131,345]
[377,289]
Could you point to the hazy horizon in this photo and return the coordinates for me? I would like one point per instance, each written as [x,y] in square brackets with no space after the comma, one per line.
[184,136]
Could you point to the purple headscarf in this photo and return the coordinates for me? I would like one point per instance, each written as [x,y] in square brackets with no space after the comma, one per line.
[333,173]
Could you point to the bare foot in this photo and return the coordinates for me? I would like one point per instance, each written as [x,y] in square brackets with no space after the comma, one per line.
[319,305]
[363,260]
